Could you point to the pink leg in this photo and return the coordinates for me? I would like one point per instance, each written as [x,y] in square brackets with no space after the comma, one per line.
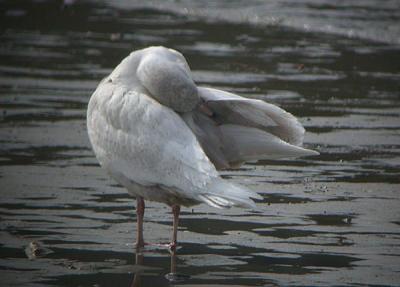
[139,217]
[175,211]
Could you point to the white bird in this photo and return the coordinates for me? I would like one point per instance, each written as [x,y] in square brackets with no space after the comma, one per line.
[163,138]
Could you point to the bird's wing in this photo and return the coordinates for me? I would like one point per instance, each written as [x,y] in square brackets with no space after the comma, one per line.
[234,109]
[149,144]
[245,130]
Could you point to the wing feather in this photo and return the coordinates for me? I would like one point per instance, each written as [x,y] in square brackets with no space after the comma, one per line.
[233,109]
[243,130]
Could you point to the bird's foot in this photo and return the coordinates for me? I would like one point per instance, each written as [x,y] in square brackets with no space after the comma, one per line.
[143,245]
[172,246]
[140,244]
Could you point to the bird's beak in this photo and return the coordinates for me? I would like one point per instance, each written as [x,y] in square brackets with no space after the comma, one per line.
[205,109]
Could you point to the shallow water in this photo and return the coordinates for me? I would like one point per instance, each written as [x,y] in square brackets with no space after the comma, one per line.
[327,220]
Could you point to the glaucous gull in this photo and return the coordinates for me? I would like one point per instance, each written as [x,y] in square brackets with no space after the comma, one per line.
[164,138]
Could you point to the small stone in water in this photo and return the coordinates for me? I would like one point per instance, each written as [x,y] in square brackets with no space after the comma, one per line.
[35,250]
[32,250]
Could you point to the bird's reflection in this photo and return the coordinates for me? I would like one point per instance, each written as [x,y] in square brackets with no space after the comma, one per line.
[138,262]
[173,276]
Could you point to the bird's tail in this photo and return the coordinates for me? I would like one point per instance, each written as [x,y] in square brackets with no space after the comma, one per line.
[224,194]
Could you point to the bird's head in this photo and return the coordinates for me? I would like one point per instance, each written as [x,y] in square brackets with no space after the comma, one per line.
[166,76]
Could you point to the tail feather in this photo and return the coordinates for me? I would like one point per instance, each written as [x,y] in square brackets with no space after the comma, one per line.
[223,194]
[216,202]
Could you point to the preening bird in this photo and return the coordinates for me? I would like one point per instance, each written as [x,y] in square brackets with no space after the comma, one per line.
[164,138]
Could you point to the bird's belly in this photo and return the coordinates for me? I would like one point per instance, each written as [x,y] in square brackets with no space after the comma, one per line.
[153,192]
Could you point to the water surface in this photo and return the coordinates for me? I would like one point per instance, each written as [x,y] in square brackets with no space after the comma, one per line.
[327,220]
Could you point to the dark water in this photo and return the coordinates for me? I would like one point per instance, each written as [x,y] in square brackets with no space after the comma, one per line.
[327,220]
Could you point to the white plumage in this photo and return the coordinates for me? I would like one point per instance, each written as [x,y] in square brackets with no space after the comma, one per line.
[163,138]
